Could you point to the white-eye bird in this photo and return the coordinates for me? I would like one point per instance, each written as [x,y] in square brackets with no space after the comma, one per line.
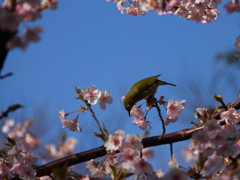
[142,90]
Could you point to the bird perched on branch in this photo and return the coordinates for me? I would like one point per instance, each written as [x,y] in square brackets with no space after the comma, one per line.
[142,90]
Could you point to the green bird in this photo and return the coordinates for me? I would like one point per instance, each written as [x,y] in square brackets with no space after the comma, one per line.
[142,90]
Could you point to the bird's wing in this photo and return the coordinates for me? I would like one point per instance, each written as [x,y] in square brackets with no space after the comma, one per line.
[144,84]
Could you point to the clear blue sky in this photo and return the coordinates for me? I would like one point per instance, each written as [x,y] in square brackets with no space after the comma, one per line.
[89,43]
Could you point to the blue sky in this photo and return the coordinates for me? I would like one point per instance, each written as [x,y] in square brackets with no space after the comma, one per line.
[87,43]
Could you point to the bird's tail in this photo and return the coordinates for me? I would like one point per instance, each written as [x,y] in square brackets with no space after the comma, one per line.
[160,83]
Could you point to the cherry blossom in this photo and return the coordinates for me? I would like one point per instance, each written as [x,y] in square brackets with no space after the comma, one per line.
[138,118]
[95,170]
[232,6]
[174,174]
[91,95]
[115,140]
[127,157]
[174,109]
[212,129]
[147,153]
[173,163]
[133,141]
[50,3]
[72,125]
[9,21]
[141,166]
[17,42]
[8,125]
[65,149]
[230,116]
[104,99]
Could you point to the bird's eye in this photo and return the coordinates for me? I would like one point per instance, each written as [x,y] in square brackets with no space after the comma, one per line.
[128,107]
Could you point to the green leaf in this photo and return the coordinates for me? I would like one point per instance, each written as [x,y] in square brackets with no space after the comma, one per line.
[123,174]
[201,161]
[113,170]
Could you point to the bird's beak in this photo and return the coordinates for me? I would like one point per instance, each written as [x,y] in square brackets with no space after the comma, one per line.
[129,113]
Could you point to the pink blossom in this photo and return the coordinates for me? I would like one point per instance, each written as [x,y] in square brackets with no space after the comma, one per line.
[28,11]
[138,118]
[173,163]
[147,153]
[115,140]
[173,3]
[189,155]
[7,4]
[159,173]
[136,112]
[212,129]
[230,116]
[214,3]
[127,157]
[104,99]
[95,170]
[72,125]
[133,141]
[15,154]
[226,151]
[91,95]
[134,11]
[232,6]
[9,21]
[16,42]
[201,140]
[66,148]
[231,130]
[196,7]
[174,174]
[114,0]
[51,4]
[141,123]
[3,168]
[32,34]
[174,109]
[219,141]
[141,166]
[27,173]
[200,112]
[29,142]
[237,43]
[8,125]
[214,161]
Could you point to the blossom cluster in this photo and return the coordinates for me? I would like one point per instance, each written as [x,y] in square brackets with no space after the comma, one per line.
[129,157]
[214,137]
[13,13]
[203,11]
[237,44]
[21,134]
[18,161]
[90,95]
[66,148]
[174,109]
[130,161]
[94,96]
[214,140]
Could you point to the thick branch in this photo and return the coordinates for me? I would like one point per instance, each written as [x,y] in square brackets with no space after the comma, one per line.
[5,36]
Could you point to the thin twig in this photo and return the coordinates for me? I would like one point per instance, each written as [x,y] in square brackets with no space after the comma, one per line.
[161,118]
[6,75]
[79,92]
[171,149]
[94,117]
